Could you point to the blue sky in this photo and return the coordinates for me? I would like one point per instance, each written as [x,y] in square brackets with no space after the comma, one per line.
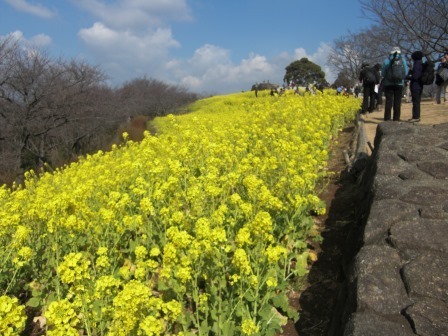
[208,46]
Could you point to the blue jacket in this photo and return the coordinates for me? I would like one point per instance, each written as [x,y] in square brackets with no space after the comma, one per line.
[386,63]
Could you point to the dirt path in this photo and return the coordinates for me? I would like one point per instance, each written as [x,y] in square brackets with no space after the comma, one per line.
[431,114]
[316,301]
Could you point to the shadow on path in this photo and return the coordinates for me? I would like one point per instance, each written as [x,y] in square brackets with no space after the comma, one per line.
[318,301]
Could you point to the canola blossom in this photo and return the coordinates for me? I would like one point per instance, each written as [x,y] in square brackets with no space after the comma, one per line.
[196,230]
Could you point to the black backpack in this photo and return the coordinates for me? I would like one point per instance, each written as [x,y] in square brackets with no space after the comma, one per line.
[428,73]
[395,70]
[369,76]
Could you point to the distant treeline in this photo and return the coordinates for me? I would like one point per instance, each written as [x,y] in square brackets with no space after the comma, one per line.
[52,111]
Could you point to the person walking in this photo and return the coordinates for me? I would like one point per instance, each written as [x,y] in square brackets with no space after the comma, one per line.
[369,78]
[407,86]
[378,88]
[357,91]
[394,71]
[441,84]
[415,84]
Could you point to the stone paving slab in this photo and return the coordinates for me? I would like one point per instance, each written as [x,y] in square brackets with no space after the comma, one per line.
[371,324]
[397,283]
[429,316]
[431,114]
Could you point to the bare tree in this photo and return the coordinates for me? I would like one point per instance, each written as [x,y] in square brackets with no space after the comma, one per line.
[346,57]
[152,97]
[39,96]
[351,51]
[411,25]
[53,110]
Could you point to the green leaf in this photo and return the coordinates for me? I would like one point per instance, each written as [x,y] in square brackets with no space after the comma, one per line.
[33,302]
[161,285]
[239,311]
[214,314]
[36,293]
[50,298]
[228,328]
[281,302]
[250,297]
[265,312]
[214,290]
[204,328]
[301,264]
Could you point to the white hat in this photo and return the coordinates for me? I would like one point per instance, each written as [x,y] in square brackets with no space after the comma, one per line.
[395,50]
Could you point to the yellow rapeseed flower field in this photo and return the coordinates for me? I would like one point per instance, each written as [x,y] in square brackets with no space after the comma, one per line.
[195,230]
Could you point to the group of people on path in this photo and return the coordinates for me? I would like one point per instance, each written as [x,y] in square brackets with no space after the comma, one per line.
[390,78]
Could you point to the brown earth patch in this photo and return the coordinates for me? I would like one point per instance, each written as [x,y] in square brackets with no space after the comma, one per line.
[316,300]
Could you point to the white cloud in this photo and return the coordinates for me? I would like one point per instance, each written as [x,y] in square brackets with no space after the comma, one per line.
[124,45]
[211,69]
[300,53]
[40,40]
[132,39]
[319,57]
[209,55]
[37,9]
[127,55]
[137,14]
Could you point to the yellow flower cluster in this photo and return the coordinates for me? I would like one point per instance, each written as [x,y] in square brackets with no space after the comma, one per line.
[102,261]
[249,327]
[74,268]
[62,318]
[24,255]
[107,286]
[275,253]
[136,303]
[148,232]
[12,316]
[241,261]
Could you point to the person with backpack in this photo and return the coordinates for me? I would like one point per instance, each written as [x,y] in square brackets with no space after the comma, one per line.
[441,83]
[394,71]
[369,78]
[416,84]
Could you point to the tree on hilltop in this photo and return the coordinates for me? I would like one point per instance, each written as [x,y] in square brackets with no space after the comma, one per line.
[344,80]
[303,72]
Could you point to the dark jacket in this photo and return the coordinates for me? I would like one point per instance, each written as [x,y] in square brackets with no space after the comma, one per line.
[366,72]
[417,71]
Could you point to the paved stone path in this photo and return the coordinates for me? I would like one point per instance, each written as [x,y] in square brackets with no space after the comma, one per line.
[397,275]
[431,114]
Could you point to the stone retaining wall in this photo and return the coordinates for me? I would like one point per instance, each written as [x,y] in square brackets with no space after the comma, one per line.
[396,261]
